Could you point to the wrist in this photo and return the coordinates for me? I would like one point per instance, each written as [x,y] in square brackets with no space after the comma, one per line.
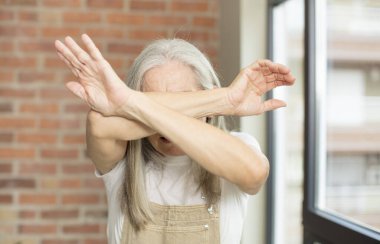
[130,108]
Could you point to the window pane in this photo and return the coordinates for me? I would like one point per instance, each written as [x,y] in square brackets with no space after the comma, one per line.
[349,175]
[288,49]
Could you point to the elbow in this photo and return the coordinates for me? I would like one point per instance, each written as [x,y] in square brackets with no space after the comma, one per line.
[93,124]
[256,176]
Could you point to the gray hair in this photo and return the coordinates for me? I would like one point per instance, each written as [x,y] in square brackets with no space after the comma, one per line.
[134,198]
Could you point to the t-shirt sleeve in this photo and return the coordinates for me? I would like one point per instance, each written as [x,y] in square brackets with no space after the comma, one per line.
[113,178]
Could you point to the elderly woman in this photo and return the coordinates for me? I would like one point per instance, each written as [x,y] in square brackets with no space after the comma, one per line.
[173,174]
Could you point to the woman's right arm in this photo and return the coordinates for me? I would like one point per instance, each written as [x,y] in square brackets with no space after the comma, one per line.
[107,137]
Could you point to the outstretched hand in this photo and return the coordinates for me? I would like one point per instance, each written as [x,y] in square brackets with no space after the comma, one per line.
[247,90]
[98,84]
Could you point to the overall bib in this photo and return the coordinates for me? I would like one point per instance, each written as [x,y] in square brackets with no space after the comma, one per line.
[194,224]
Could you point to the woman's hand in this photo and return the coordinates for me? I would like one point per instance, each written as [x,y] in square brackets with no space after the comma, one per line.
[246,91]
[98,84]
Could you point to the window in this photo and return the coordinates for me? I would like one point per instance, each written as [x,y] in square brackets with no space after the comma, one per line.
[342,159]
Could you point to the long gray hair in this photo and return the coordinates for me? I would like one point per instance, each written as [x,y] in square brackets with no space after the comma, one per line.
[134,198]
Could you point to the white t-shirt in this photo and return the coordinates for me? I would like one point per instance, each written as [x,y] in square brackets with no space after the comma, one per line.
[175,185]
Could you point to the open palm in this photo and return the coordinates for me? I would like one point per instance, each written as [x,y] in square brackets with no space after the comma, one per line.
[98,84]
[246,92]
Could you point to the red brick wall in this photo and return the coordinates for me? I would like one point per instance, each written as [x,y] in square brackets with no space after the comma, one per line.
[48,192]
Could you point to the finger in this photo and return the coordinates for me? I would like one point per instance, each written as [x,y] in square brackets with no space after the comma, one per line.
[77,89]
[91,47]
[67,54]
[80,54]
[272,104]
[71,67]
[274,67]
[289,79]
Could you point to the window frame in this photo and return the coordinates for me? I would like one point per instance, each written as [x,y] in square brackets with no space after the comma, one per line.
[320,226]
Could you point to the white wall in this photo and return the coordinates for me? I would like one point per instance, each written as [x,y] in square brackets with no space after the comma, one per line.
[243,40]
[252,47]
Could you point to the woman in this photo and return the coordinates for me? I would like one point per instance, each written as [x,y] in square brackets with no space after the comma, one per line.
[172,173]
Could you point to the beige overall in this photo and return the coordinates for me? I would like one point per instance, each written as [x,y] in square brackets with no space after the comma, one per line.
[195,224]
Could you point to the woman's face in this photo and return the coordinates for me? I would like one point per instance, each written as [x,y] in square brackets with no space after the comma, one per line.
[170,77]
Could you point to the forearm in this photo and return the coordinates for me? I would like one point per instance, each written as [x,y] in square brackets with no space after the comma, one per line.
[215,150]
[205,103]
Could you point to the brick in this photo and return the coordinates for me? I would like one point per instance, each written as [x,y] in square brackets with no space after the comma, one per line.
[77,108]
[54,63]
[147,5]
[167,20]
[49,183]
[60,32]
[40,46]
[87,168]
[18,31]
[209,22]
[70,183]
[191,36]
[6,108]
[19,2]
[59,153]
[7,214]
[37,138]
[105,33]
[16,93]
[57,3]
[37,168]
[27,16]
[6,46]
[70,17]
[96,214]
[38,198]
[6,15]
[28,77]
[80,199]
[95,241]
[56,241]
[6,137]
[17,123]
[37,229]
[116,63]
[81,228]
[39,108]
[105,4]
[6,199]
[16,153]
[60,214]
[56,93]
[16,62]
[189,6]
[27,214]
[93,183]
[146,35]
[17,183]
[74,139]
[122,18]
[59,241]
[124,48]
[58,124]
[6,76]
[50,17]
[5,168]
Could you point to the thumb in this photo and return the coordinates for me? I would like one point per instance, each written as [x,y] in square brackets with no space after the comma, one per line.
[272,104]
[77,89]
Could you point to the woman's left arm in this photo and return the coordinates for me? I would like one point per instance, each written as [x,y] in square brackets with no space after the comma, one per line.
[215,150]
